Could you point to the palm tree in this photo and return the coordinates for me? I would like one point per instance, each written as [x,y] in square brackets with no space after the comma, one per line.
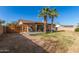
[52,14]
[44,13]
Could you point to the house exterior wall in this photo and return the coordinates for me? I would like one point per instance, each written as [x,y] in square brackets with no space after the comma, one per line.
[1,30]
[21,28]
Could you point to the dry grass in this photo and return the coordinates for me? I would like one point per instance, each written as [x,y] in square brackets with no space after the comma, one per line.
[56,41]
[63,40]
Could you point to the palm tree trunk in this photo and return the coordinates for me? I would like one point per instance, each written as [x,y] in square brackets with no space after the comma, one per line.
[52,23]
[45,23]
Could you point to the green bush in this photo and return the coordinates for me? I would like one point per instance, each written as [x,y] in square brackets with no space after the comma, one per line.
[77,30]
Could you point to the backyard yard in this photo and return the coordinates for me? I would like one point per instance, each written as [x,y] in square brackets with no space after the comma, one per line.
[57,42]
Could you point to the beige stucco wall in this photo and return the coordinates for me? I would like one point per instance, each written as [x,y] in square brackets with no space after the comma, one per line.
[1,30]
[67,28]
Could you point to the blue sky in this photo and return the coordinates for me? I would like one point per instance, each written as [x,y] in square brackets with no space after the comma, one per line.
[67,14]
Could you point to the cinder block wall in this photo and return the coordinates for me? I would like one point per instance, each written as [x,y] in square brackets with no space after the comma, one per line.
[67,28]
[1,30]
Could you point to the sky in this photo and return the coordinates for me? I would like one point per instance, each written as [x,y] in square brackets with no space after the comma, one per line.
[68,15]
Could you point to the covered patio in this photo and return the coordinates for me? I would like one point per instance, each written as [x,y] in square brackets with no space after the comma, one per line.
[30,26]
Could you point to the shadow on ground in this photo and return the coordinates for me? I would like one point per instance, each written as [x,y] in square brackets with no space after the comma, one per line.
[16,43]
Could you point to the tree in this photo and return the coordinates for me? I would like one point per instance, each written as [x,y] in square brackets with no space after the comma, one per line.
[44,14]
[1,22]
[11,23]
[52,14]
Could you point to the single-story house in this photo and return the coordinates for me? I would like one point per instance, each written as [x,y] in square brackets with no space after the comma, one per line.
[27,26]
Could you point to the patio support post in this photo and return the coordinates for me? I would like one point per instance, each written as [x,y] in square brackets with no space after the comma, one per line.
[27,28]
[22,28]
[36,27]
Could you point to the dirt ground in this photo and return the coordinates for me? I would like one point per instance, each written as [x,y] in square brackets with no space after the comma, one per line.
[14,42]
[75,46]
[23,43]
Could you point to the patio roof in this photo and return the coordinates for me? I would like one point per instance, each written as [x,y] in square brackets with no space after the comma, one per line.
[28,21]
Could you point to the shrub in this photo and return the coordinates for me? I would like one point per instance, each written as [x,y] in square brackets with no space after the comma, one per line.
[77,30]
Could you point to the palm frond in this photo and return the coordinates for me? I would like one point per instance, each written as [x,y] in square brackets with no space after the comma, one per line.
[53,13]
[43,12]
